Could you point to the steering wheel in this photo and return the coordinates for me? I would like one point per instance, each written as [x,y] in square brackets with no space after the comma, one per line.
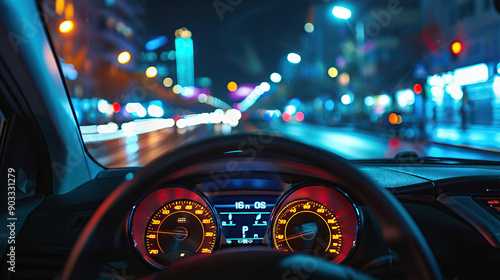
[98,238]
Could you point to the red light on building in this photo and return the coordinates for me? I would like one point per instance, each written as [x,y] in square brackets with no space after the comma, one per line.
[286,117]
[299,116]
[116,107]
[493,202]
[417,88]
[456,48]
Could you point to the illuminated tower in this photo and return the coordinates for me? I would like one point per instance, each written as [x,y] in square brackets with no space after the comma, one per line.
[184,61]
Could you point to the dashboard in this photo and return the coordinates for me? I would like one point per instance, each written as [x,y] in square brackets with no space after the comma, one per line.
[174,222]
[456,207]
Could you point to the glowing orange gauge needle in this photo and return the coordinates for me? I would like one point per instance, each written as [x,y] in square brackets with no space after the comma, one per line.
[297,235]
[173,232]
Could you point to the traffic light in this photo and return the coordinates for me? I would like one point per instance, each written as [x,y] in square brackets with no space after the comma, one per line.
[417,88]
[456,49]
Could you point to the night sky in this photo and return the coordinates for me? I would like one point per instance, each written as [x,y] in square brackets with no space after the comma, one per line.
[246,46]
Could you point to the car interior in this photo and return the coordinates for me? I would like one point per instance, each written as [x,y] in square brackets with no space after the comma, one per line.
[249,205]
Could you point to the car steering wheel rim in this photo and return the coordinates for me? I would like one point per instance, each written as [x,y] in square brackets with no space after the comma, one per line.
[398,228]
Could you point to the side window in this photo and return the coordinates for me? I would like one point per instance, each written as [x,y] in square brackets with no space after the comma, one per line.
[2,129]
[17,151]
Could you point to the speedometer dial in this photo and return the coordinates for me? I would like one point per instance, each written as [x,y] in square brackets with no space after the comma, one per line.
[306,225]
[179,229]
[172,223]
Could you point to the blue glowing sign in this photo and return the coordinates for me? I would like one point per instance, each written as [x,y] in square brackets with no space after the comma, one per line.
[156,43]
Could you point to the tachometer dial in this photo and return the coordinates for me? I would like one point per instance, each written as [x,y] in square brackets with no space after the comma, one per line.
[306,225]
[315,219]
[179,229]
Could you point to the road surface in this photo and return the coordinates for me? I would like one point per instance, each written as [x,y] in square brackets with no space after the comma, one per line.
[347,142]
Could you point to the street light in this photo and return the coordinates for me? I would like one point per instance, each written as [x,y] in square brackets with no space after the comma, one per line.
[275,77]
[309,27]
[265,86]
[124,57]
[341,12]
[333,72]
[232,86]
[168,82]
[66,26]
[293,58]
[151,72]
[344,79]
[177,89]
[347,99]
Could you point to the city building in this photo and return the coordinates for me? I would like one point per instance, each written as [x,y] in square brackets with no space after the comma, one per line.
[463,62]
[100,31]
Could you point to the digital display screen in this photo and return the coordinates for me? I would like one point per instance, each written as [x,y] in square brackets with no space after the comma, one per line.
[244,220]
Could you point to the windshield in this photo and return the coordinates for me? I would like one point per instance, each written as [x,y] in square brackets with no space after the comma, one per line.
[363,79]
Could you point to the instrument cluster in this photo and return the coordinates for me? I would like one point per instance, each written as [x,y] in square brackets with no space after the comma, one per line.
[175,222]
